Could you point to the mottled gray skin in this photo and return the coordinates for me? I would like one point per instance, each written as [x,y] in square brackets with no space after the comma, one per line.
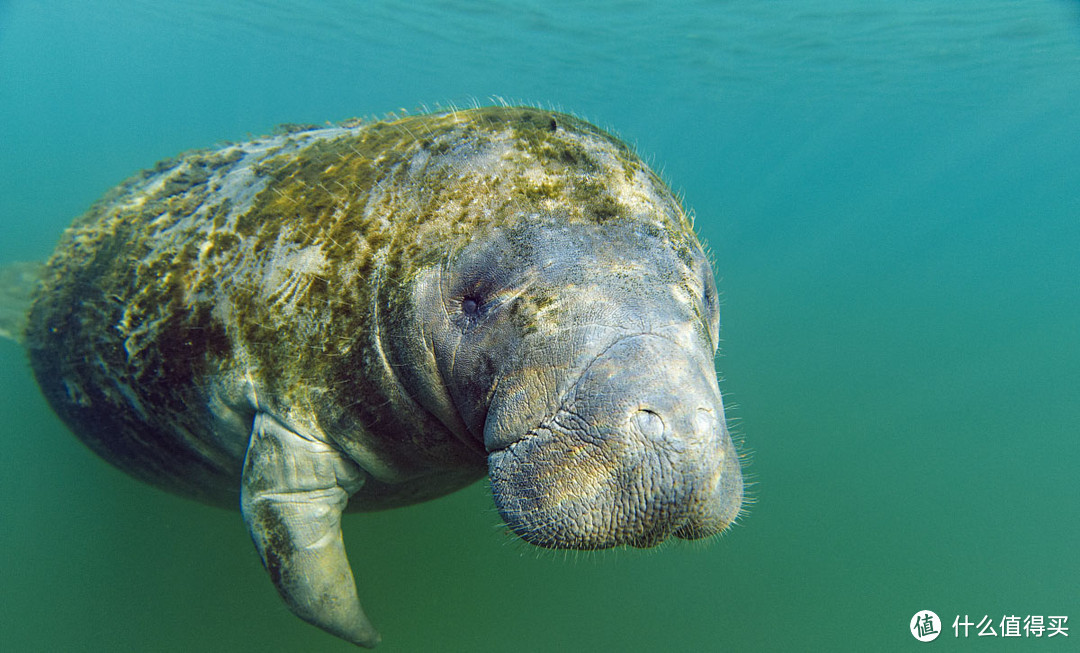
[370,315]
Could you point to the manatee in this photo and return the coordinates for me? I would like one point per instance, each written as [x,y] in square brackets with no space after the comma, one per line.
[371,314]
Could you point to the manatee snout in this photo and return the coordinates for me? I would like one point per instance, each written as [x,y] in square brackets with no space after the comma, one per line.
[638,451]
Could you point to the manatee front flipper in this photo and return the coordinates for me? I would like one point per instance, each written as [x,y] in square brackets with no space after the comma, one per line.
[294,489]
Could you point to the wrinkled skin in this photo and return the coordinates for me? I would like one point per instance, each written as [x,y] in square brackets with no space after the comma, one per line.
[584,361]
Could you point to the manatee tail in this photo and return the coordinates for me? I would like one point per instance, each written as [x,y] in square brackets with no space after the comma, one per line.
[18,281]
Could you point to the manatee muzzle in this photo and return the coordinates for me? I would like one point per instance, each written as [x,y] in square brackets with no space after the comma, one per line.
[638,451]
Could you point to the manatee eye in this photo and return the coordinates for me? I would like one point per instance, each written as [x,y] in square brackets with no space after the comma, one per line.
[470,306]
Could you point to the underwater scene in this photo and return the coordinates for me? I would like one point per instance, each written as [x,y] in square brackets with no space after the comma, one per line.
[889,194]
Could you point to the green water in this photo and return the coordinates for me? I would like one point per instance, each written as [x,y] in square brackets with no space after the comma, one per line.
[890,192]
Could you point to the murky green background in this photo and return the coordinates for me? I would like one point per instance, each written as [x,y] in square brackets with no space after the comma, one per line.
[891,191]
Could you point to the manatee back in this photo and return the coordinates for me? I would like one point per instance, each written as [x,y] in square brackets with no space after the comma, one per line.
[136,334]
[232,278]
[136,407]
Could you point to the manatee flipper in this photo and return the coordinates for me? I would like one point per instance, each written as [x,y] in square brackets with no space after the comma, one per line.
[294,489]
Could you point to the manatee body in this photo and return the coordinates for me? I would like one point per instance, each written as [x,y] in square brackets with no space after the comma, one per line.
[374,314]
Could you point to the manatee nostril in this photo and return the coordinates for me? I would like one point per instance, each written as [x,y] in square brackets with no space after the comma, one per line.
[650,424]
[705,423]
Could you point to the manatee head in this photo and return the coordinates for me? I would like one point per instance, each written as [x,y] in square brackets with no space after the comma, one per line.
[574,339]
[581,355]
